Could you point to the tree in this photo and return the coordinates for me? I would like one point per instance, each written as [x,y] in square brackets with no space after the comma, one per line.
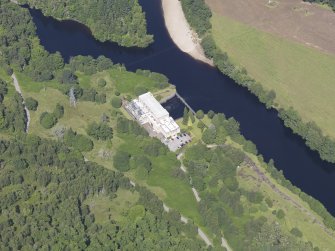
[210,114]
[77,141]
[121,161]
[296,232]
[185,116]
[143,161]
[100,131]
[191,115]
[209,135]
[67,77]
[31,104]
[116,102]
[200,114]
[48,120]
[201,125]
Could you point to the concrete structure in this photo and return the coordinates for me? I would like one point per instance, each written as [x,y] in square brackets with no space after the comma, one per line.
[147,110]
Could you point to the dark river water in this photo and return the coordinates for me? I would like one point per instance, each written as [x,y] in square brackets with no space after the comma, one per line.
[203,87]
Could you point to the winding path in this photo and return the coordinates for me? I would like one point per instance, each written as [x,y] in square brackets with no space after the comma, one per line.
[183,219]
[224,242]
[18,90]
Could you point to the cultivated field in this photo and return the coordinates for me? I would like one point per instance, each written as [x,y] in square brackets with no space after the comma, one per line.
[303,77]
[311,25]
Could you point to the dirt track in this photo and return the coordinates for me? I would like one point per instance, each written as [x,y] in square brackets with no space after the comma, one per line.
[311,25]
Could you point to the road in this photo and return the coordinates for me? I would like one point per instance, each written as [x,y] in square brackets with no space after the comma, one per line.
[224,242]
[183,219]
[18,90]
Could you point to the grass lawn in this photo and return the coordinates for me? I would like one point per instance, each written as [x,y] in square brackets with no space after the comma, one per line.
[302,77]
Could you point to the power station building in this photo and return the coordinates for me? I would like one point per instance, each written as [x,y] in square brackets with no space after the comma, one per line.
[147,110]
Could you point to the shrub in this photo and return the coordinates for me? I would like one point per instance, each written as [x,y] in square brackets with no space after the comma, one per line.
[100,98]
[116,102]
[59,111]
[280,214]
[31,104]
[89,95]
[269,202]
[67,77]
[296,232]
[102,83]
[121,161]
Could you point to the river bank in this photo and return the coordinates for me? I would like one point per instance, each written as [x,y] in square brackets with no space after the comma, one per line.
[180,31]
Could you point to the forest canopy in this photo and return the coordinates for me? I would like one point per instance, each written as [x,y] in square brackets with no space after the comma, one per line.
[121,21]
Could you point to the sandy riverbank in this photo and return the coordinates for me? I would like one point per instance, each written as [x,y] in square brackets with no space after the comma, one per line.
[180,31]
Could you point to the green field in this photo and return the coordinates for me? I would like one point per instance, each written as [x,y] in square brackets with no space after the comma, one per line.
[302,77]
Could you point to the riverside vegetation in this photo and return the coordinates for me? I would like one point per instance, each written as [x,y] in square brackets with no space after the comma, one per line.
[67,184]
[119,21]
[199,17]
[330,3]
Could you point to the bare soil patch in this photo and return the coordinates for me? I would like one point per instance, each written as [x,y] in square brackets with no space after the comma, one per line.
[309,24]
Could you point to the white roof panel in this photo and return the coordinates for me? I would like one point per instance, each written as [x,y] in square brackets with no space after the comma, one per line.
[155,107]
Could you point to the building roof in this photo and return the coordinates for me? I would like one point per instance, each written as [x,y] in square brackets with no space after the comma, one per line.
[155,107]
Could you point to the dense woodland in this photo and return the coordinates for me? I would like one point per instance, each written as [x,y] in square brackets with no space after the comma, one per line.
[309,131]
[12,114]
[331,3]
[121,21]
[44,189]
[20,47]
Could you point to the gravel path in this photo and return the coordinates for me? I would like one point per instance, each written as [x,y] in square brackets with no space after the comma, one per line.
[18,90]
[183,219]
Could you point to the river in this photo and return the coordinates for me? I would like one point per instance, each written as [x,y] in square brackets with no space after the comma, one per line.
[203,87]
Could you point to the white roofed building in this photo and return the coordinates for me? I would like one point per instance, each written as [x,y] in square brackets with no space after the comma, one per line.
[146,109]
[155,108]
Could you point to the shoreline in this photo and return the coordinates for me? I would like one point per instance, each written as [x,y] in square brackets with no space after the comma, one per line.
[180,31]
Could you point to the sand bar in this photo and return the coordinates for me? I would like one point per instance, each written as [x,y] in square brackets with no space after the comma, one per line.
[181,32]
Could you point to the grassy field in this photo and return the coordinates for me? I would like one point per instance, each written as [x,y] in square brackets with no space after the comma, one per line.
[302,77]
